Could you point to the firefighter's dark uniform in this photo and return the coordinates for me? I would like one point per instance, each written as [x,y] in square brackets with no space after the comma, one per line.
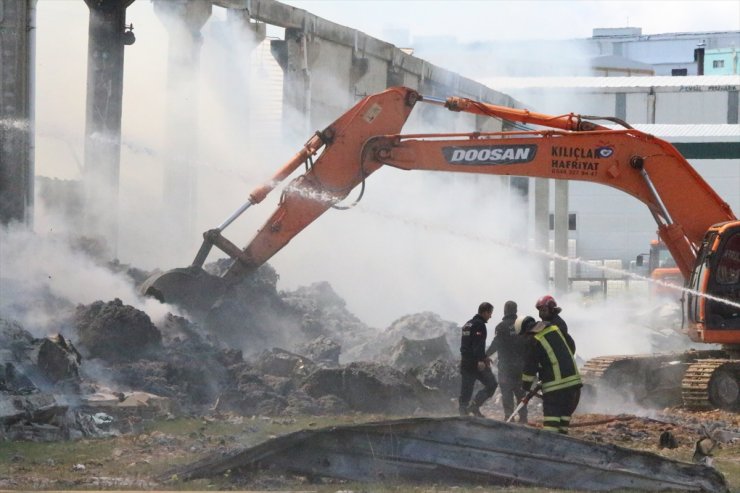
[511,348]
[558,320]
[472,351]
[549,356]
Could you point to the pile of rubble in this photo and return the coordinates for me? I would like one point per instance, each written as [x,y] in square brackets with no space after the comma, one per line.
[278,353]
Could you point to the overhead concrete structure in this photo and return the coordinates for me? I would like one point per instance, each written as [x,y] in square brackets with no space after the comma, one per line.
[340,64]
[17,31]
[106,39]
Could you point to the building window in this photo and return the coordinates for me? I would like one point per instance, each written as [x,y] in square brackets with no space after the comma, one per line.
[718,64]
[679,71]
[571,222]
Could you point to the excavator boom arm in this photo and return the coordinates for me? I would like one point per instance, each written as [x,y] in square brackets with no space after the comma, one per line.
[647,168]
[367,137]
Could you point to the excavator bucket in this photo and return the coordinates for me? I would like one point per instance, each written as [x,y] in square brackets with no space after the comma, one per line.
[190,288]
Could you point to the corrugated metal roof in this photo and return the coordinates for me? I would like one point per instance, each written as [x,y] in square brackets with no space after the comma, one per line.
[503,83]
[690,133]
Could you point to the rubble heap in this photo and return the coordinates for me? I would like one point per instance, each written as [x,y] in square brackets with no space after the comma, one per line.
[259,352]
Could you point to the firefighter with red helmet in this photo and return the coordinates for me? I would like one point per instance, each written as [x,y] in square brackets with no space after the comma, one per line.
[548,358]
[549,312]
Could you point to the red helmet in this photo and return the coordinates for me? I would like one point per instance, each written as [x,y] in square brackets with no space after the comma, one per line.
[546,301]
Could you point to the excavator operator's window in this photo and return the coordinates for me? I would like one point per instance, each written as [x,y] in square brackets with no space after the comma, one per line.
[728,267]
[726,284]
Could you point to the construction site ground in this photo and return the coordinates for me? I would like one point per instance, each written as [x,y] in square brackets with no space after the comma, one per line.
[139,402]
[141,460]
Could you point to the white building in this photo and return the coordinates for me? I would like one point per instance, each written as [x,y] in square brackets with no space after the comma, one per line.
[698,114]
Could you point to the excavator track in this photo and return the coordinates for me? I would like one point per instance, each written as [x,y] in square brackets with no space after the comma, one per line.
[696,379]
[712,383]
[595,368]
[631,377]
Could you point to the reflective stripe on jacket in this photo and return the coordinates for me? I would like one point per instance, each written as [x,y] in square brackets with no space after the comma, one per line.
[549,356]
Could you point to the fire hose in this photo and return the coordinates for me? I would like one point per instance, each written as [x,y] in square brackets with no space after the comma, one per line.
[525,400]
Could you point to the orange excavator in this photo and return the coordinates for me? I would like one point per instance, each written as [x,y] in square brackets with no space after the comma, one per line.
[696,225]
[662,268]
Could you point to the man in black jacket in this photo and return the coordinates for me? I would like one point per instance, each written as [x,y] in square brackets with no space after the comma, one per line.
[474,364]
[511,350]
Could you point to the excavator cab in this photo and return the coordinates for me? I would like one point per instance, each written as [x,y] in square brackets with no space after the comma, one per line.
[661,267]
[716,315]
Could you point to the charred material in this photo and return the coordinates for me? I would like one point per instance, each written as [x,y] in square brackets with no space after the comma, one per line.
[113,331]
[375,388]
[412,353]
[461,450]
[323,351]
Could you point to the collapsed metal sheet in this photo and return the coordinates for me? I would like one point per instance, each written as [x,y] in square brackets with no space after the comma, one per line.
[462,450]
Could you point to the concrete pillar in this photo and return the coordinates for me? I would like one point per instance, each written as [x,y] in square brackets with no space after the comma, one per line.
[651,100]
[103,121]
[17,31]
[183,20]
[295,58]
[542,224]
[255,32]
[238,86]
[394,76]
[358,70]
[561,235]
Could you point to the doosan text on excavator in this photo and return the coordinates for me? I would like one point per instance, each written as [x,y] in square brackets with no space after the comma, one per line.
[695,224]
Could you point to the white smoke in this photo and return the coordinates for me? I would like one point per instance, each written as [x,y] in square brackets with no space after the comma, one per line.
[382,257]
[43,270]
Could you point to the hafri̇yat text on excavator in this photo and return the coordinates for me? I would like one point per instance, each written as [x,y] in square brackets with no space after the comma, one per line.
[696,225]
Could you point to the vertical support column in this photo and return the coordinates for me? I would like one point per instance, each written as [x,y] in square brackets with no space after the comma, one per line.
[651,106]
[394,76]
[561,235]
[358,69]
[183,20]
[294,59]
[254,32]
[17,31]
[518,191]
[103,120]
[542,223]
[620,105]
[732,107]
[238,88]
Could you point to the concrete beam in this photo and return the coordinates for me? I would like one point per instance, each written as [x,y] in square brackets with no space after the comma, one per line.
[256,31]
[17,31]
[403,67]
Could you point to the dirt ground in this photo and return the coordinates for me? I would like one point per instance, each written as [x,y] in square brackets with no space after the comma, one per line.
[239,395]
[143,460]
